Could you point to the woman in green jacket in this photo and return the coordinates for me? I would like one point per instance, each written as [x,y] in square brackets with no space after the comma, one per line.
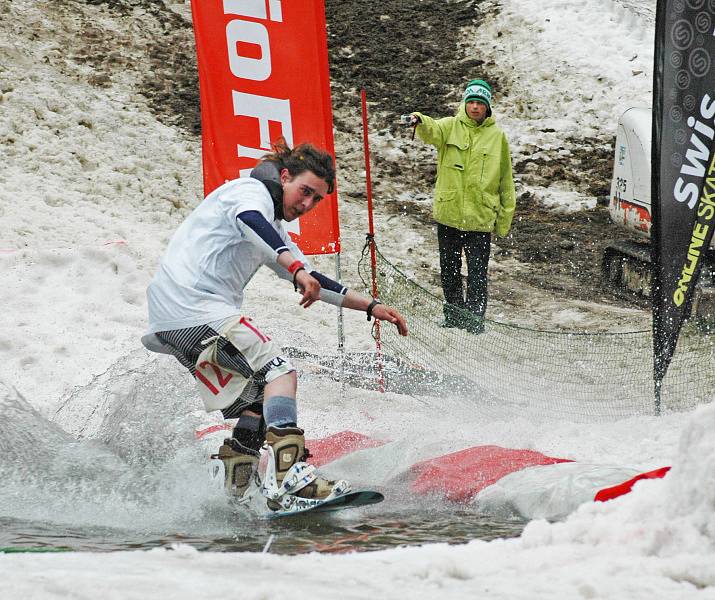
[474,197]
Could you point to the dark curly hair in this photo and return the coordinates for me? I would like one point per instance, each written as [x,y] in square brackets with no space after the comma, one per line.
[304,157]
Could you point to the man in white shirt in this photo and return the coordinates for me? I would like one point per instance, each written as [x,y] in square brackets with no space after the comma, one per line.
[194,310]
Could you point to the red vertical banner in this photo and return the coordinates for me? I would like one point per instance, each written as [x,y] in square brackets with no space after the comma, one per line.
[263,74]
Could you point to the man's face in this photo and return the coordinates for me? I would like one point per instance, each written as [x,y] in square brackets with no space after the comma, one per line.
[477,111]
[301,193]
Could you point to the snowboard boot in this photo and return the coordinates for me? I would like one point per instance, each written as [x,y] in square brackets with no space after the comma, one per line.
[239,465]
[288,444]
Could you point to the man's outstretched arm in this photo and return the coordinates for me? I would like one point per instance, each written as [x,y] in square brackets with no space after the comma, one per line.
[351,299]
[378,310]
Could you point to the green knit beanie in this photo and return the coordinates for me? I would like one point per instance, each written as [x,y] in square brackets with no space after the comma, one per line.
[481,91]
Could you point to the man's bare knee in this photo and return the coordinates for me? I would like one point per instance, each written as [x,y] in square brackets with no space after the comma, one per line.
[284,385]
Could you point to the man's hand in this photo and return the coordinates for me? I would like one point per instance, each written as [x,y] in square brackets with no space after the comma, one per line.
[411,120]
[387,313]
[308,286]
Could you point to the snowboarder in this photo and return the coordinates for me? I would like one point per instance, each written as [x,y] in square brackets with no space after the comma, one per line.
[195,298]
[474,196]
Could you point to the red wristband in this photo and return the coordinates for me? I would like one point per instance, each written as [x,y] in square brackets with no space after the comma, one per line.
[294,266]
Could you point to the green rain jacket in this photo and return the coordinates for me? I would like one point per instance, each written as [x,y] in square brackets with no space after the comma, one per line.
[475,188]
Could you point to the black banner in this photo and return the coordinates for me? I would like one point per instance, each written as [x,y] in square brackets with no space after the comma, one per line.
[683,167]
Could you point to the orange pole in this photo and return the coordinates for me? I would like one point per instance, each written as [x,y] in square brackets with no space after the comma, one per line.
[371,235]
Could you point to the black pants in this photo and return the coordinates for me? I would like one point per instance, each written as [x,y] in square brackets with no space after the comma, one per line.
[476,246]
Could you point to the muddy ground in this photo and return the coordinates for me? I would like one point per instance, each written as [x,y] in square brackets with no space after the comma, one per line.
[408,56]
[412,56]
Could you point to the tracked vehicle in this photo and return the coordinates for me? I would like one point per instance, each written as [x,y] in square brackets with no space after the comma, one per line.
[627,263]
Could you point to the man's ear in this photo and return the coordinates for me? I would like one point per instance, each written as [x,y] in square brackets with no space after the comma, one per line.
[285,175]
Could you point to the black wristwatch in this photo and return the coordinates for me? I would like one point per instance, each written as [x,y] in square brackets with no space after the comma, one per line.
[372,305]
[295,274]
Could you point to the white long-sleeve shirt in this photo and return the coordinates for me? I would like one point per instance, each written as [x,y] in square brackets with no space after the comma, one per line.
[211,258]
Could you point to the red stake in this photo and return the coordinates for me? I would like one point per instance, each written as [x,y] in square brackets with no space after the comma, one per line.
[371,241]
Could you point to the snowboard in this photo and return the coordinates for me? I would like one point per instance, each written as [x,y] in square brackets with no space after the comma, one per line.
[352,499]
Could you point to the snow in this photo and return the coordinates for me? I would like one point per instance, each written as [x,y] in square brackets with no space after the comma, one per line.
[91,188]
[572,87]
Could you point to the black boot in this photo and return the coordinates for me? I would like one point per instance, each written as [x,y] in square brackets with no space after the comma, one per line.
[472,323]
[452,315]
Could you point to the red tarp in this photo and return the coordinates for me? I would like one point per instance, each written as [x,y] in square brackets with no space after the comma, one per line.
[334,446]
[460,475]
[625,487]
